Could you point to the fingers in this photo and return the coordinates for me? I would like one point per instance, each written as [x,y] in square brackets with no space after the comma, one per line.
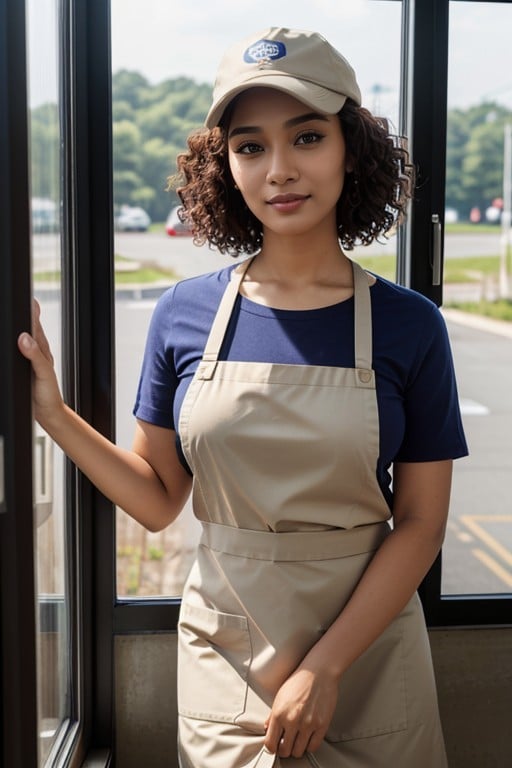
[316,739]
[30,349]
[290,741]
[273,735]
[293,744]
[26,345]
[31,345]
[38,332]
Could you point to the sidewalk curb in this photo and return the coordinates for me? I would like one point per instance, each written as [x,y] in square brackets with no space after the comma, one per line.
[479,322]
[122,293]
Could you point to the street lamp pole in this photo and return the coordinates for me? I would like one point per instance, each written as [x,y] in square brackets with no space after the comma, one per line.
[506,218]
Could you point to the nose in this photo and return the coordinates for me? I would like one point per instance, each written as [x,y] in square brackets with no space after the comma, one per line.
[281,168]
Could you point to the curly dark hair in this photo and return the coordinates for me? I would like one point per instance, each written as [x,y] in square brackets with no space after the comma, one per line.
[373,200]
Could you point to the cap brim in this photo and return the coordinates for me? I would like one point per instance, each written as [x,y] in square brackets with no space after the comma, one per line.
[320,99]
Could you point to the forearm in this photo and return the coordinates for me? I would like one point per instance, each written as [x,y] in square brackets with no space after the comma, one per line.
[387,585]
[124,477]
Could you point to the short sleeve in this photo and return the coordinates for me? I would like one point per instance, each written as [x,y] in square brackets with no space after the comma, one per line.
[433,424]
[158,380]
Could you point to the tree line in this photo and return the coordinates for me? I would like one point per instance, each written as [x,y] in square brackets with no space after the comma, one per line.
[151,124]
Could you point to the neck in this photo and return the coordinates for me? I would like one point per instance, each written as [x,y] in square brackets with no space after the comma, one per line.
[303,259]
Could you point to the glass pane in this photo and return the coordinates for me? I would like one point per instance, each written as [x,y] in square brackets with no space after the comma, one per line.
[46,172]
[478,550]
[157,101]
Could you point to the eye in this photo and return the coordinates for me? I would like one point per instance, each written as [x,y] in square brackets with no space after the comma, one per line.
[309,137]
[248,148]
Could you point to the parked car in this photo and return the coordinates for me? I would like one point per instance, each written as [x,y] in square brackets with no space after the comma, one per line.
[45,215]
[174,226]
[132,219]
[451,216]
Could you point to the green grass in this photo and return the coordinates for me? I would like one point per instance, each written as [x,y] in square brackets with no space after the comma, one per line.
[157,226]
[385,266]
[498,310]
[467,270]
[466,228]
[145,275]
[46,277]
[141,275]
[472,269]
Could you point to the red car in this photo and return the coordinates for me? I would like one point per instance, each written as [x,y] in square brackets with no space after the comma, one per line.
[175,227]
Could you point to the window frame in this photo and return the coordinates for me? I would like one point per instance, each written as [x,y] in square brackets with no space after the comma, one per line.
[426,31]
[87,322]
[88,318]
[424,96]
[18,674]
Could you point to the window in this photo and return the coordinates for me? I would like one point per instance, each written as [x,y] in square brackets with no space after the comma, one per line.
[46,205]
[157,101]
[478,549]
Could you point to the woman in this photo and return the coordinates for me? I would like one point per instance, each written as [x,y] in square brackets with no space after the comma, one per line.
[287,386]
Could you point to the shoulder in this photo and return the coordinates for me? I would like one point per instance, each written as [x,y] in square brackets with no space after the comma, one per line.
[404,300]
[398,308]
[204,285]
[201,293]
[408,329]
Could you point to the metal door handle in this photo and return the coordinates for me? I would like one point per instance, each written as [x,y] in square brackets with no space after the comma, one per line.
[43,481]
[436,249]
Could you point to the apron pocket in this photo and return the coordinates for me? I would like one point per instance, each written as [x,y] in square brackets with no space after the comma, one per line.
[214,659]
[372,695]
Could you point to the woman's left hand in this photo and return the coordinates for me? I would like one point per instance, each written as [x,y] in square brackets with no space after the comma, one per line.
[301,713]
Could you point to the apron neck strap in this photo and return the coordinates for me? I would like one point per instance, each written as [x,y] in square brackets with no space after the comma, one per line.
[362,317]
[220,323]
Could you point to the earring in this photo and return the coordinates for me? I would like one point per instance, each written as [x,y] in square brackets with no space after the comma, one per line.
[235,186]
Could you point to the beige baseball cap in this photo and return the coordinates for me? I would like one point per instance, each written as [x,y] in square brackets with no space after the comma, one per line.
[302,64]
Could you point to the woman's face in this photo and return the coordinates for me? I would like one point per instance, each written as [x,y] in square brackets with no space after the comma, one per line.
[287,160]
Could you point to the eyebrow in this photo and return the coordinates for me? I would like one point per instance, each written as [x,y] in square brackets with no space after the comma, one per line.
[288,124]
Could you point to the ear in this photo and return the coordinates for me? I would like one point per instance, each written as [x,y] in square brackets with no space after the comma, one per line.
[349,165]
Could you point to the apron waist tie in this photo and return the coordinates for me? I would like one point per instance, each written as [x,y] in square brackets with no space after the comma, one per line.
[292,546]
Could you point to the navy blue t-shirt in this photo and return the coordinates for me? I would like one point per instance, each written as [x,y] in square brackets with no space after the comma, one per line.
[417,399]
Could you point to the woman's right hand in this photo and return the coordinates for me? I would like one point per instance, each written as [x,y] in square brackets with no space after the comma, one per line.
[148,482]
[45,389]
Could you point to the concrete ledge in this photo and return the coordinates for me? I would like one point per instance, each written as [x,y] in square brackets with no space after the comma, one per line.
[479,322]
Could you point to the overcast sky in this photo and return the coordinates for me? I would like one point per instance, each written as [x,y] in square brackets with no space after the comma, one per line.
[162,39]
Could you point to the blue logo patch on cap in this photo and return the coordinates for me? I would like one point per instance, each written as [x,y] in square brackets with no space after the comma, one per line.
[264,50]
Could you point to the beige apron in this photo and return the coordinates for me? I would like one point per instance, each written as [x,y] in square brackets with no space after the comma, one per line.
[284,460]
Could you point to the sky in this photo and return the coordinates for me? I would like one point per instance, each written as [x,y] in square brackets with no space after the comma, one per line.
[166,38]
[161,38]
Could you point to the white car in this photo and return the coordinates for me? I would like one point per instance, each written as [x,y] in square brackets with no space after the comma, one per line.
[132,219]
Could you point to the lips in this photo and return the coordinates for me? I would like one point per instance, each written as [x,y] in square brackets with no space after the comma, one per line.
[287,203]
[289,198]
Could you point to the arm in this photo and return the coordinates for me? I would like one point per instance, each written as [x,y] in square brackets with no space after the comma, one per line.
[149,482]
[304,705]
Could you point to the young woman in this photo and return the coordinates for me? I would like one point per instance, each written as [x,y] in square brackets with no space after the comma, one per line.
[287,386]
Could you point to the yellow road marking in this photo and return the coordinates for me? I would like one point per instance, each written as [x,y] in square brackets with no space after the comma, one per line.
[472,522]
[493,566]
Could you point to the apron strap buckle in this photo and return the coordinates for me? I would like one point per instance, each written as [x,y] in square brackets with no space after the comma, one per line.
[207,366]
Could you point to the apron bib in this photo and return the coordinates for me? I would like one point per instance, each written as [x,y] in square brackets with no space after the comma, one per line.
[284,460]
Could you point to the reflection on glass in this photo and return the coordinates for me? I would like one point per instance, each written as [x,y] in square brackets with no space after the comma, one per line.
[157,101]
[478,550]
[53,645]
